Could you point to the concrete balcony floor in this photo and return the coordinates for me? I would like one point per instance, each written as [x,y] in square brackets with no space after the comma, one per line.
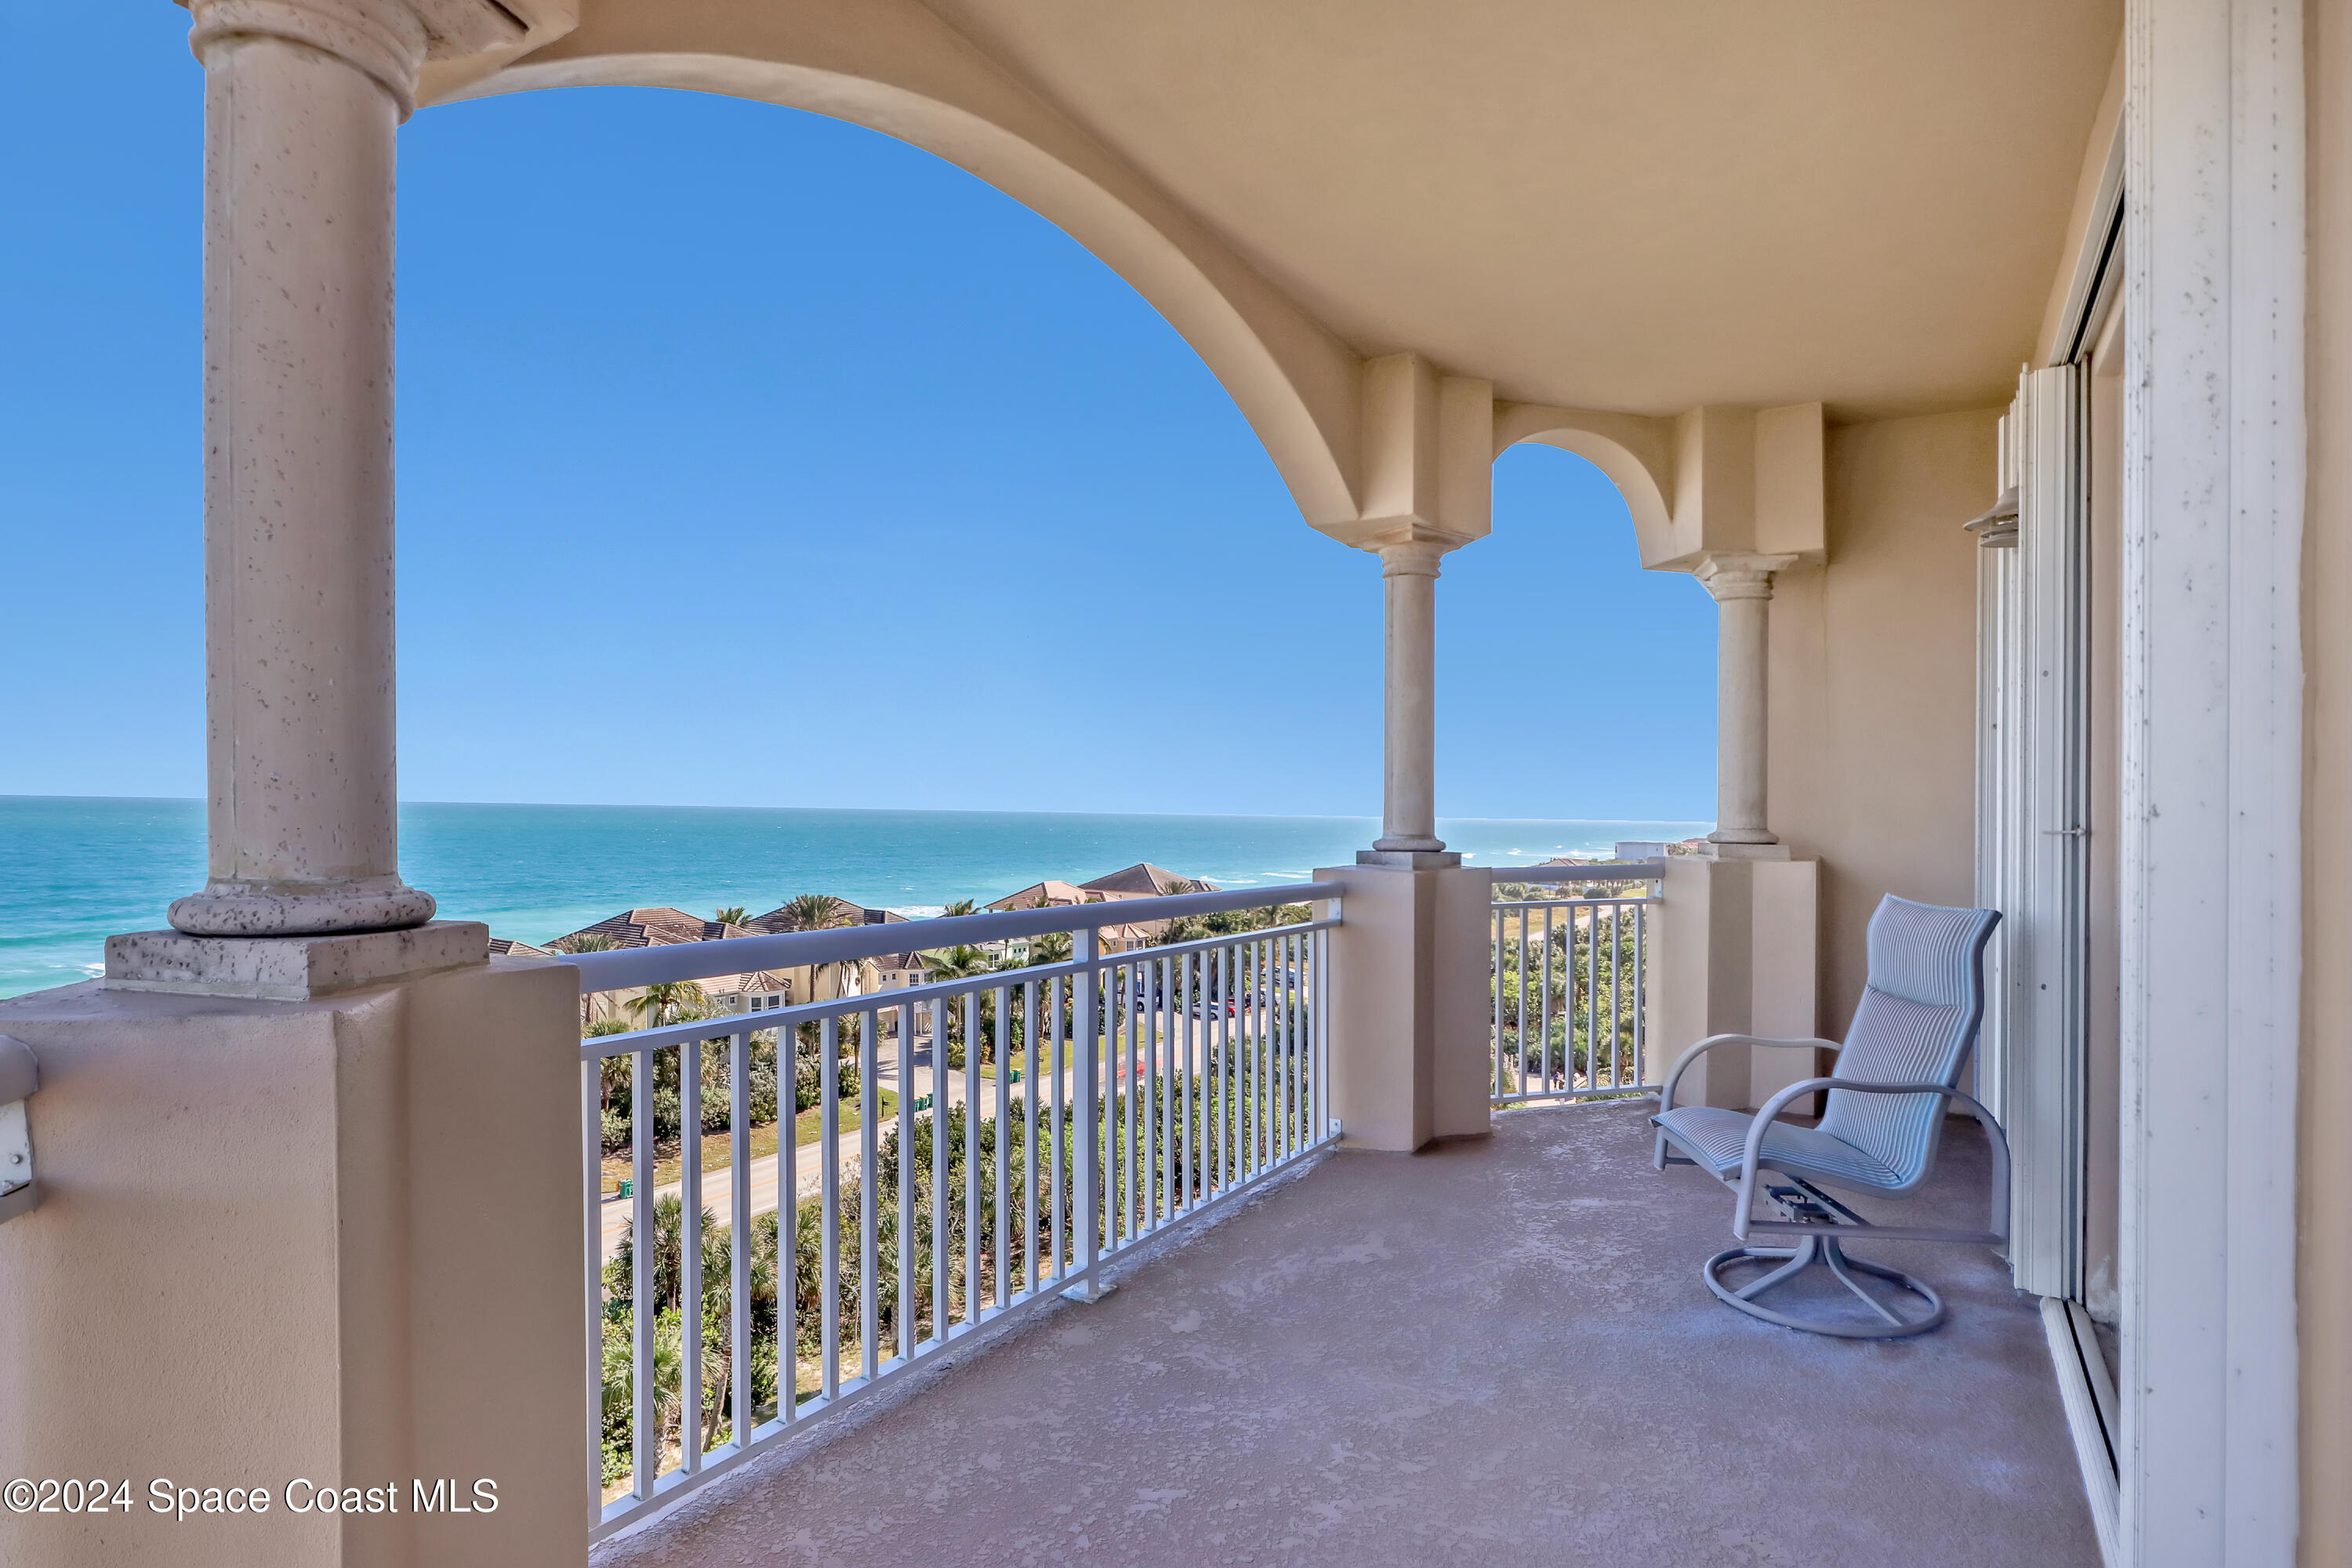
[1498,1351]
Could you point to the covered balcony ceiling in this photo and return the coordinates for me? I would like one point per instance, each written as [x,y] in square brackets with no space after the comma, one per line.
[1640,207]
[1631,208]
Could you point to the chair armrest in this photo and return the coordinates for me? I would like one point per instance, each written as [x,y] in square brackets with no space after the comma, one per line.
[1683,1062]
[1770,1112]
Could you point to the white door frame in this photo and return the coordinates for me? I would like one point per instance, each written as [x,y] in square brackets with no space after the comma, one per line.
[2211,778]
[2042,1076]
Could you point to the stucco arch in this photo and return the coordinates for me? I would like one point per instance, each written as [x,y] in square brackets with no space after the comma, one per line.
[1634,451]
[897,68]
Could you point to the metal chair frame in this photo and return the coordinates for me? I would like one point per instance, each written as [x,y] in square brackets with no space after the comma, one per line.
[1819,1223]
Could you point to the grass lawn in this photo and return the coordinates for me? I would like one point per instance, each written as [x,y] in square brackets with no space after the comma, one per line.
[809,1125]
[718,1147]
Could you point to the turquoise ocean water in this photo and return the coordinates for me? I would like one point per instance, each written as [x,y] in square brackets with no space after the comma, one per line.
[75,870]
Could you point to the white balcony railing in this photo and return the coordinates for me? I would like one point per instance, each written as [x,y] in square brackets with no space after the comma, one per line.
[1067,1110]
[1569,1020]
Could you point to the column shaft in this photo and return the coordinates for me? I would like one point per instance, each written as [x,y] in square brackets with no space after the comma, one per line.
[1408,804]
[1740,696]
[1742,589]
[298,493]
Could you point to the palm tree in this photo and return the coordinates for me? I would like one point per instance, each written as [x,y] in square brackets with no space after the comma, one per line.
[960,962]
[961,907]
[669,1002]
[812,911]
[584,941]
[733,915]
[821,911]
[1184,928]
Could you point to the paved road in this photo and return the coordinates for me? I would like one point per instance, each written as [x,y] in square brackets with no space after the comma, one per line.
[808,1169]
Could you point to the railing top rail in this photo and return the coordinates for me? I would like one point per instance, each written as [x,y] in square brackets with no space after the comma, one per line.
[1609,902]
[632,966]
[719,1025]
[1599,871]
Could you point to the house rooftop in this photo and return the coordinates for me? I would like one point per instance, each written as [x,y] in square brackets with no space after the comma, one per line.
[1144,879]
[781,918]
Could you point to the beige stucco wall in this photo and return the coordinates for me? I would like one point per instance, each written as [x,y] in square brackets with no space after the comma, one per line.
[1874,682]
[338,1240]
[2324,1098]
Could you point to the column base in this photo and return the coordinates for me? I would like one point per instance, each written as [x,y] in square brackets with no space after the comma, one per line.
[1734,951]
[288,968]
[1740,849]
[1408,859]
[251,909]
[1410,1044]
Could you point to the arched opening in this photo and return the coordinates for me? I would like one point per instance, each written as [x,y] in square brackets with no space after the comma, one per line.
[1295,383]
[810,470]
[1572,684]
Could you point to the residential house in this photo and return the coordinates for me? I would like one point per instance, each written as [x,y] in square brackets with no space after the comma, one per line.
[823,983]
[662,925]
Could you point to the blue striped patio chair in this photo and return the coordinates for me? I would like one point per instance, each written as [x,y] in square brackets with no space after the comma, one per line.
[1897,1076]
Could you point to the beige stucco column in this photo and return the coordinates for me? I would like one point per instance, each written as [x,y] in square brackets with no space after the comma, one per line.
[1742,587]
[1409,798]
[302,99]
[309,1204]
[1410,991]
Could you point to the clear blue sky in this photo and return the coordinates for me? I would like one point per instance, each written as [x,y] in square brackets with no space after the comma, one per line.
[750,459]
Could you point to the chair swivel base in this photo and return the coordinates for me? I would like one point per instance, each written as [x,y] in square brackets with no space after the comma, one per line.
[1822,1250]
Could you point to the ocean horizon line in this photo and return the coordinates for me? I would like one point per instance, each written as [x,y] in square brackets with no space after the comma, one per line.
[886,810]
[74,870]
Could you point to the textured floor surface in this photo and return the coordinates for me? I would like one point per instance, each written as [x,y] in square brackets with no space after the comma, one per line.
[1496,1352]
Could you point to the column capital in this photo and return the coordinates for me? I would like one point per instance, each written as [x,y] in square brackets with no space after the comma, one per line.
[1729,575]
[390,40]
[1411,558]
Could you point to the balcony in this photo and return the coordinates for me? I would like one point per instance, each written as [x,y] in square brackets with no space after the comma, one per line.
[311,1186]
[1496,1351]
[1195,1318]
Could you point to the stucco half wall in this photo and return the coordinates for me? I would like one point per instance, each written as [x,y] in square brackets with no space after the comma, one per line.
[1873,725]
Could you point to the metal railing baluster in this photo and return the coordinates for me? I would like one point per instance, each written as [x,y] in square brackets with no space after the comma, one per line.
[942,1255]
[1003,1144]
[592,1244]
[689,1266]
[1059,1053]
[644,1445]
[1089,1110]
[1188,1016]
[869,1176]
[828,1119]
[738,1239]
[1152,1142]
[971,1103]
[788,1227]
[1495,986]
[1130,1015]
[1029,1215]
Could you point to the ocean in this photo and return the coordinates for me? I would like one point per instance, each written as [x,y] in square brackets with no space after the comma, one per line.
[75,870]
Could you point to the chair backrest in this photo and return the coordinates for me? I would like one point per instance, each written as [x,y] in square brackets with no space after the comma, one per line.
[1917,1023]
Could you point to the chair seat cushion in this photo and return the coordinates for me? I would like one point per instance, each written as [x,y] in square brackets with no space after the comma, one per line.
[1717,1140]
